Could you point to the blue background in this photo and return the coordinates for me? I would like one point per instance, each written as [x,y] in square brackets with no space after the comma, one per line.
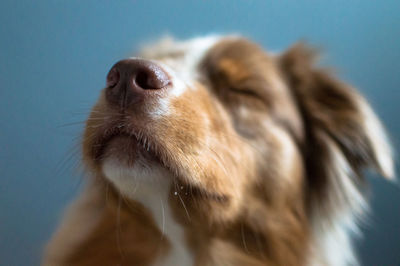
[55,55]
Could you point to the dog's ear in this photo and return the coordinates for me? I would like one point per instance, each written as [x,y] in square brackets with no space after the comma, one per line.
[342,133]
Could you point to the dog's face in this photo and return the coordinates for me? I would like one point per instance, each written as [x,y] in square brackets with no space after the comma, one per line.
[235,134]
[224,125]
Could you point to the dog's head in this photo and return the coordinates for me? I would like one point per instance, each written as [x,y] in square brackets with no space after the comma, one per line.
[236,133]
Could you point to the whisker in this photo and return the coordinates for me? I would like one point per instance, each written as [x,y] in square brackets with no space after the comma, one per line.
[184,206]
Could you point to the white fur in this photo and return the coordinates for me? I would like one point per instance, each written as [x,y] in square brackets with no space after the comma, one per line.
[180,59]
[379,140]
[151,186]
[333,224]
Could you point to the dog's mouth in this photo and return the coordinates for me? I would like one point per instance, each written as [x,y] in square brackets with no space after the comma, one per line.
[130,147]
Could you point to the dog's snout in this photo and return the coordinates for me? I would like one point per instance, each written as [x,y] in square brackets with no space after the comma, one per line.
[132,80]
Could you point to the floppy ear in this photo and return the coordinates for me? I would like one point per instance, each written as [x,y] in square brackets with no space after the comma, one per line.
[342,134]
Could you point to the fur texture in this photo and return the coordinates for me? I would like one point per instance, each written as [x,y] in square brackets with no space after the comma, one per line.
[248,159]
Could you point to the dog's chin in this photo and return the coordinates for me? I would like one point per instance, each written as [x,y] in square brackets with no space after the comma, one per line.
[131,167]
[128,151]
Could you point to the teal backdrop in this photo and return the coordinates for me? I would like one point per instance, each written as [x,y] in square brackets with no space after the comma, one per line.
[54,56]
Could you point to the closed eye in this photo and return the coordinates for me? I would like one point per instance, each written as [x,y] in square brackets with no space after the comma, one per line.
[246,92]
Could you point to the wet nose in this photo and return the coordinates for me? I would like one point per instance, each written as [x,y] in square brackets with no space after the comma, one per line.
[133,80]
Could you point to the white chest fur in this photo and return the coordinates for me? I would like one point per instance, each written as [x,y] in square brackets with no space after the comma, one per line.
[151,187]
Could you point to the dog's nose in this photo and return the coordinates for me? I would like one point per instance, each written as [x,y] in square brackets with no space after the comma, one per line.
[132,80]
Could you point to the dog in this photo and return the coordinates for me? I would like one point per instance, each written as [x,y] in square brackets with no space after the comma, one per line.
[212,151]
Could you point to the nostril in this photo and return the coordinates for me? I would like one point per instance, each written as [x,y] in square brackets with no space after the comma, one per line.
[151,77]
[112,78]
[142,80]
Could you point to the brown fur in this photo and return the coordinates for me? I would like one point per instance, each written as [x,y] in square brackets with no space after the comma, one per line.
[253,145]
